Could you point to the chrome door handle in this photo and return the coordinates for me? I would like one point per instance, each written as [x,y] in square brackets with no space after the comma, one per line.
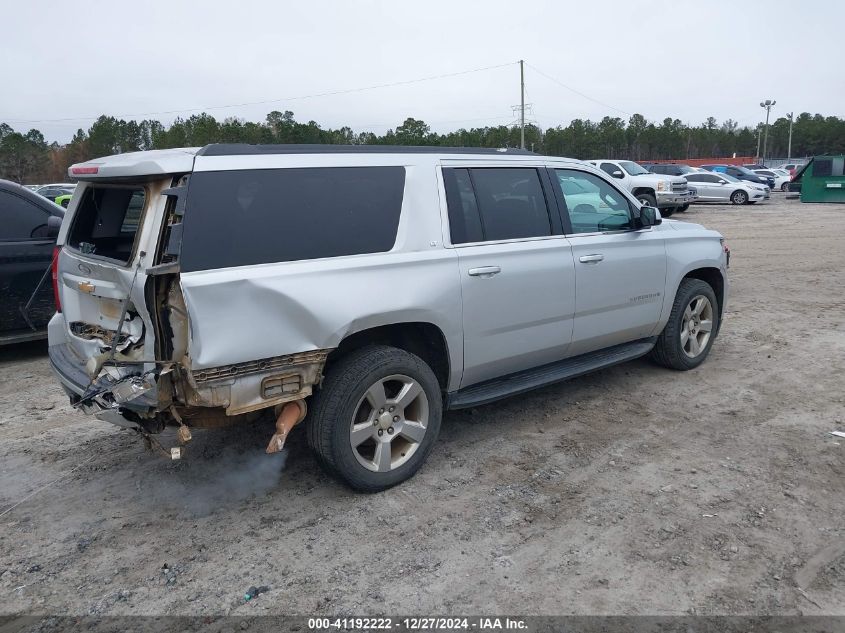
[484,271]
[591,259]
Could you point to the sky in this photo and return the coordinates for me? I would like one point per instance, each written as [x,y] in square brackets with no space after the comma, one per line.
[158,59]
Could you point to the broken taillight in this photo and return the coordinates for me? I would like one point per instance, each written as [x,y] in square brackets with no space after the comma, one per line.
[54,274]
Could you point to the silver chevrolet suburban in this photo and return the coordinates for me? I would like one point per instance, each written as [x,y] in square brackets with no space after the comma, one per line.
[362,289]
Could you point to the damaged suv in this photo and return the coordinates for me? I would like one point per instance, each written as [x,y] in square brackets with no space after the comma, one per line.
[361,289]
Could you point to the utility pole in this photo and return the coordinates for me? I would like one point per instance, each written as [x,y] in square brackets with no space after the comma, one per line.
[789,146]
[521,104]
[757,157]
[768,104]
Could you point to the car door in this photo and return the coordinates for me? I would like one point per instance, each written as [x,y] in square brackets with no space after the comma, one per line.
[701,186]
[620,272]
[25,254]
[516,269]
[708,186]
[616,172]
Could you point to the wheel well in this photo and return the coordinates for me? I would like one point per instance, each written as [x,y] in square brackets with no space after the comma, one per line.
[640,190]
[713,278]
[422,339]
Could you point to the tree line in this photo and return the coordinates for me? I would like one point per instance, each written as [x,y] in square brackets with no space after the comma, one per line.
[26,157]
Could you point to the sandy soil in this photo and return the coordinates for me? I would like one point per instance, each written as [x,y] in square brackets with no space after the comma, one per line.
[632,491]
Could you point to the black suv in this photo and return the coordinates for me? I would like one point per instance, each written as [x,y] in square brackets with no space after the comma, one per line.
[27,239]
[741,173]
[672,169]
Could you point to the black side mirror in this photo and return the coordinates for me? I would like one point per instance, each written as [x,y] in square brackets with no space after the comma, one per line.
[649,216]
[54,223]
[618,174]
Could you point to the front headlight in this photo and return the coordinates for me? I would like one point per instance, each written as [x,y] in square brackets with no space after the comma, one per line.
[662,185]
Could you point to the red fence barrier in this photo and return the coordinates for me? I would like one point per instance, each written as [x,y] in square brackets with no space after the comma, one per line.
[698,162]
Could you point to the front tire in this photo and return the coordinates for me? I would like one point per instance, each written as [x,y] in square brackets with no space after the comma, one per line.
[683,208]
[647,200]
[376,417]
[689,334]
[667,212]
[739,197]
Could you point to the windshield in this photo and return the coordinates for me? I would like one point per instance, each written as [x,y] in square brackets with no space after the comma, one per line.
[632,168]
[728,177]
[781,172]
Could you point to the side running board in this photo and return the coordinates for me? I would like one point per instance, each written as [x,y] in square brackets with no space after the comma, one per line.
[529,379]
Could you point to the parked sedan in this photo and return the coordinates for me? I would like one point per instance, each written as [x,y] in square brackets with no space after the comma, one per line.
[715,187]
[781,177]
[30,224]
[741,173]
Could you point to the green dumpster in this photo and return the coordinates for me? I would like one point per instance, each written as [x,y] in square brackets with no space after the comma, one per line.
[822,179]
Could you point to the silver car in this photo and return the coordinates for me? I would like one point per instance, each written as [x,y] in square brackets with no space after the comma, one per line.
[362,290]
[719,187]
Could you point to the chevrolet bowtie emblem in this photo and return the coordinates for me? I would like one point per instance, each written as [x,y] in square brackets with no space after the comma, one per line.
[87,287]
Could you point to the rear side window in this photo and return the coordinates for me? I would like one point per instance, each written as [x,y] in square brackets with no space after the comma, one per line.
[20,219]
[107,220]
[509,202]
[464,218]
[239,218]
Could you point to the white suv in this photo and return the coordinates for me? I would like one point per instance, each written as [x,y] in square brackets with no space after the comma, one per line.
[201,287]
[667,193]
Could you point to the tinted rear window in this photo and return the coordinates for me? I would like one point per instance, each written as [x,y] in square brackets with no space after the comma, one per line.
[238,218]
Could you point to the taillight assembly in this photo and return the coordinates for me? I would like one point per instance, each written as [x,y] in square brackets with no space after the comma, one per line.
[54,274]
[79,171]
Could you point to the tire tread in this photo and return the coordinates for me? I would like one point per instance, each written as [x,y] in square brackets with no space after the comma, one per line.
[329,401]
[667,351]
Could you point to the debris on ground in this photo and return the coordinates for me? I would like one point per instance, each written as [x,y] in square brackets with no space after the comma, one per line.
[252,592]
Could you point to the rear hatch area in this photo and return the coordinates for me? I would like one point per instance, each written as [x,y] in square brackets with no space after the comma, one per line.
[103,340]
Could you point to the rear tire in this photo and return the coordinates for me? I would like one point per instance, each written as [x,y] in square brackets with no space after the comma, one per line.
[739,197]
[389,402]
[686,340]
[784,187]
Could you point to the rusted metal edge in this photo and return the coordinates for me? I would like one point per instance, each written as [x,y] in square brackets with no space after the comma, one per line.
[258,366]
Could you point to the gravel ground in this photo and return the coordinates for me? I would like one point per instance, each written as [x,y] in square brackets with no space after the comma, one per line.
[635,490]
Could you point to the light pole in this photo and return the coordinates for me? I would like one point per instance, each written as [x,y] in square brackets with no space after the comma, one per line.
[789,146]
[768,104]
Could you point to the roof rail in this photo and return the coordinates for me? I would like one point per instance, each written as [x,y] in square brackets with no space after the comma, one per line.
[242,149]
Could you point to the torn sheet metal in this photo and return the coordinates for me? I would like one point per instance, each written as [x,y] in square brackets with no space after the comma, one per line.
[245,387]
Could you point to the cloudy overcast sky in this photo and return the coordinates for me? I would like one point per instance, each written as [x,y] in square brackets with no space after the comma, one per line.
[676,58]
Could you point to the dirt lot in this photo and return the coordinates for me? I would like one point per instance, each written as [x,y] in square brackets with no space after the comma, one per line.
[632,491]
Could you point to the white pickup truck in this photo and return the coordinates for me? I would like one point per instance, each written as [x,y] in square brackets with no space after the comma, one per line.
[667,193]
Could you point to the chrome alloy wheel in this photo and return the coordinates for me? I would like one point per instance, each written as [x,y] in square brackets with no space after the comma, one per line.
[389,423]
[697,326]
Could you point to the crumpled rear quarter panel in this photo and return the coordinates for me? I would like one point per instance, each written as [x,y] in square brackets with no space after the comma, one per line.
[246,313]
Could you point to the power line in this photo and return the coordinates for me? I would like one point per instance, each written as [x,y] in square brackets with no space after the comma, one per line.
[571,89]
[266,101]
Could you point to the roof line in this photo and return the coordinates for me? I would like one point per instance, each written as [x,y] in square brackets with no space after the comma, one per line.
[241,149]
